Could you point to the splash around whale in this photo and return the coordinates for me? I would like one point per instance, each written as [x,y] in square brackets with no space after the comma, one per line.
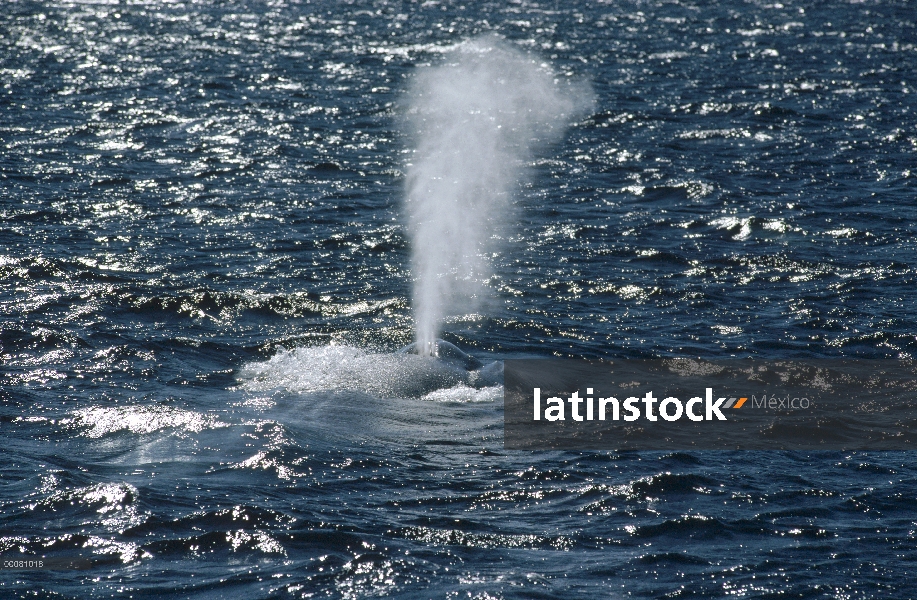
[443,373]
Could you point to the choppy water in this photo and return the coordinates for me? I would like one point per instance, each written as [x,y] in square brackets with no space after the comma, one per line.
[204,277]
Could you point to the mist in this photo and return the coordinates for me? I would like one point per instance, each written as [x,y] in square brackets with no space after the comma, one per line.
[476,120]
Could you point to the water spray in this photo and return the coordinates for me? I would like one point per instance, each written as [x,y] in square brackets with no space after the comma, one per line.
[475,119]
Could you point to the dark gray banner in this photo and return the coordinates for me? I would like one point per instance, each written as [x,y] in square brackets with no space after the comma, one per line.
[689,404]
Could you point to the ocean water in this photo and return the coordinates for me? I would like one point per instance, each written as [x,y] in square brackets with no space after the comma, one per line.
[205,280]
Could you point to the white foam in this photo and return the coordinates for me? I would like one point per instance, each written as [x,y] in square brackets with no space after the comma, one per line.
[102,420]
[463,393]
[336,368]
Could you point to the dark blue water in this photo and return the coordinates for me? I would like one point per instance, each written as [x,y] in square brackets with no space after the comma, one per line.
[204,276]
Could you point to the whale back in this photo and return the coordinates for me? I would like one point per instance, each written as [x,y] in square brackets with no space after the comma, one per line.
[446,352]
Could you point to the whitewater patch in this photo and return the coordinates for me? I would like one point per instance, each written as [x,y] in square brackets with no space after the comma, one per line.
[99,421]
[337,368]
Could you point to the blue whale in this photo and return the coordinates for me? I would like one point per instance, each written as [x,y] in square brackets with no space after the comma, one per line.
[448,353]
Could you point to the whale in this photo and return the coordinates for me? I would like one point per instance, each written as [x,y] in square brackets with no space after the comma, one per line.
[480,374]
[445,352]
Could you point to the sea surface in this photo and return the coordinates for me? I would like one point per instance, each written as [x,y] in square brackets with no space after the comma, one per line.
[205,280]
